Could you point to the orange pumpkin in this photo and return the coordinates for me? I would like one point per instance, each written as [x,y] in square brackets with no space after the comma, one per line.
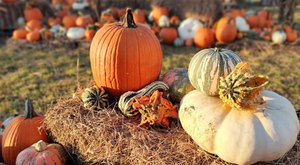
[262,14]
[226,33]
[89,34]
[33,25]
[115,12]
[125,56]
[107,16]
[69,21]
[224,20]
[291,36]
[155,29]
[168,35]
[158,11]
[174,20]
[270,19]
[42,153]
[189,42]
[32,13]
[122,13]
[53,21]
[22,132]
[62,13]
[20,34]
[287,28]
[33,36]
[84,21]
[253,21]
[204,37]
[139,16]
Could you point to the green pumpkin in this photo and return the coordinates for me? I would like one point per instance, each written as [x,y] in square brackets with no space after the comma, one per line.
[207,66]
[94,98]
[179,84]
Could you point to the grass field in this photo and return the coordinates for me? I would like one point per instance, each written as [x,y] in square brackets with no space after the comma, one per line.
[49,73]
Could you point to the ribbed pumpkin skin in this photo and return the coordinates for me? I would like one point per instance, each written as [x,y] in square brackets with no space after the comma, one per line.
[124,59]
[19,134]
[207,66]
[52,154]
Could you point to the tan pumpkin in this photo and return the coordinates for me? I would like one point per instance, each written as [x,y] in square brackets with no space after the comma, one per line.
[32,13]
[168,35]
[33,25]
[28,128]
[158,11]
[204,37]
[69,21]
[19,34]
[42,153]
[33,36]
[125,56]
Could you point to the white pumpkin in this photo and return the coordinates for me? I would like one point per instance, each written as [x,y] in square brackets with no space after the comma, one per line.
[150,17]
[79,5]
[241,137]
[178,42]
[241,24]
[21,21]
[164,21]
[75,33]
[278,37]
[208,65]
[188,28]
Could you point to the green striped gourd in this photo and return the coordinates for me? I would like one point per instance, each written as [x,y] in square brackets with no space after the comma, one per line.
[208,65]
[127,98]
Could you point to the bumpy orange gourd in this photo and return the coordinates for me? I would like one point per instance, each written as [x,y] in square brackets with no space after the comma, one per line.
[168,35]
[204,38]
[20,34]
[69,21]
[33,36]
[84,21]
[33,25]
[32,13]
[158,11]
[125,56]
[226,32]
[22,132]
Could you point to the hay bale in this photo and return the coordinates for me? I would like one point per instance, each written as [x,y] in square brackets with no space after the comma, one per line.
[106,137]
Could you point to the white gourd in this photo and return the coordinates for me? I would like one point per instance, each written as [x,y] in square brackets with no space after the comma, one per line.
[164,21]
[241,137]
[178,42]
[241,24]
[75,33]
[278,37]
[188,28]
[79,5]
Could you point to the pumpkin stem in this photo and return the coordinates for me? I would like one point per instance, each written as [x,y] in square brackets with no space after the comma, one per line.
[217,49]
[29,111]
[128,21]
[40,146]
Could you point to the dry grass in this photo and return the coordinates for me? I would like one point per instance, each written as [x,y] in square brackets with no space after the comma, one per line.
[106,137]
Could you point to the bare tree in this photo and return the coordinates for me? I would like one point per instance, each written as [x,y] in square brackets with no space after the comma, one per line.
[286,11]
